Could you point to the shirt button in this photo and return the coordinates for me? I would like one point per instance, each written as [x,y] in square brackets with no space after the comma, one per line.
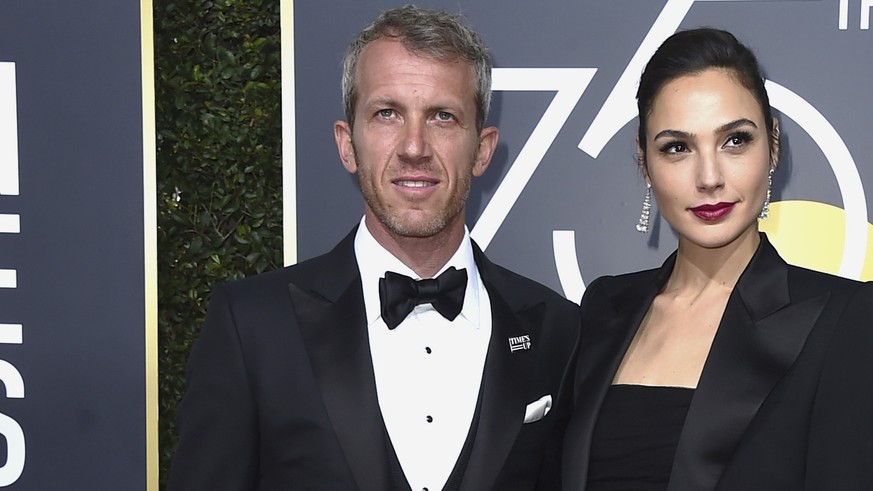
[428,351]
[429,418]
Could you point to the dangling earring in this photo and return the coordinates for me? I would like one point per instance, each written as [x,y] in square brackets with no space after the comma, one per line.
[765,211]
[643,225]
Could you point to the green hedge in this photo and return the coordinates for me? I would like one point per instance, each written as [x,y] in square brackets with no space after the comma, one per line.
[219,175]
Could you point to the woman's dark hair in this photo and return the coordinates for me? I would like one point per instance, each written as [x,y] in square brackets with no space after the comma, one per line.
[695,51]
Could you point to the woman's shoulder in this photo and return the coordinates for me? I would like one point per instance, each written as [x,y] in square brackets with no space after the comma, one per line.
[813,281]
[847,302]
[621,289]
[624,280]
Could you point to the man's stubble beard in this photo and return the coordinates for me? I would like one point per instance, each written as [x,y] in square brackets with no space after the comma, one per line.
[426,227]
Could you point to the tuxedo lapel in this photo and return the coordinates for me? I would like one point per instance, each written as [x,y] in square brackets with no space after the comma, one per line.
[505,382]
[329,307]
[610,320]
[761,333]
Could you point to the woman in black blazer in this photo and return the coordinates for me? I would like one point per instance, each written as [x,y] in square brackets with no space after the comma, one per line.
[726,368]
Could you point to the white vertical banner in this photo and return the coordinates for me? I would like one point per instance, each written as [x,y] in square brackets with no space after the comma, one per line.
[8,131]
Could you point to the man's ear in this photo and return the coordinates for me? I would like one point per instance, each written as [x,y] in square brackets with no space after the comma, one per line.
[487,143]
[342,133]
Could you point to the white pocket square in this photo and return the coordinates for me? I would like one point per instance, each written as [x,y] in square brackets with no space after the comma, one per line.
[538,409]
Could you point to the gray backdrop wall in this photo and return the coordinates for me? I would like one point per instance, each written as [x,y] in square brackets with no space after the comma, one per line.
[73,255]
[563,194]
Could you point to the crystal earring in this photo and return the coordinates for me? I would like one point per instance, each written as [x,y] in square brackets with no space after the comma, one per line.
[643,225]
[765,211]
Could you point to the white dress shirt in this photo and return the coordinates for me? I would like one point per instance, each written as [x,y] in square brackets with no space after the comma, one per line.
[429,369]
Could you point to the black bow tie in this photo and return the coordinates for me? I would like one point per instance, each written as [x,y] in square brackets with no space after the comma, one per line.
[400,294]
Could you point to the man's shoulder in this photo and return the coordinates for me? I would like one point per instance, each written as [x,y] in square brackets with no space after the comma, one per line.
[518,289]
[325,266]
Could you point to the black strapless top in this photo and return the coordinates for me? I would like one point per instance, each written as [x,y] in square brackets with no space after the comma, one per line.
[635,437]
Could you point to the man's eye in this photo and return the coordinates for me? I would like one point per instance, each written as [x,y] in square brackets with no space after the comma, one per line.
[385,113]
[444,116]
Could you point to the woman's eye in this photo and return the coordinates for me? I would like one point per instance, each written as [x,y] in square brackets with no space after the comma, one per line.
[674,147]
[738,139]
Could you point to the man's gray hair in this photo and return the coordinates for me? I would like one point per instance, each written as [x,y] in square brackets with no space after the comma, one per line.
[425,32]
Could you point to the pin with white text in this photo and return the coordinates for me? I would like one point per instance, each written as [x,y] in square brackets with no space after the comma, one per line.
[519,343]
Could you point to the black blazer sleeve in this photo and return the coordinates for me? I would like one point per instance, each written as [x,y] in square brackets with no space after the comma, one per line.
[217,417]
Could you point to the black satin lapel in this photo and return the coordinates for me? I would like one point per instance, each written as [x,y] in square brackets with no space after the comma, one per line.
[594,375]
[506,379]
[760,335]
[336,339]
[609,323]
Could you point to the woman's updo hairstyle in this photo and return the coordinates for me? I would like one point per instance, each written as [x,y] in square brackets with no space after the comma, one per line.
[692,52]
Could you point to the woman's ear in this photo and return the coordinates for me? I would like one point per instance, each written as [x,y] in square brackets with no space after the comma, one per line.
[775,145]
[641,161]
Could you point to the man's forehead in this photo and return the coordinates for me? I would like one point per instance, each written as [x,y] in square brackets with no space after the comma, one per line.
[400,45]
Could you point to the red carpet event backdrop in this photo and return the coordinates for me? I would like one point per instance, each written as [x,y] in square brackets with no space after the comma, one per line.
[559,202]
[77,347]
[563,193]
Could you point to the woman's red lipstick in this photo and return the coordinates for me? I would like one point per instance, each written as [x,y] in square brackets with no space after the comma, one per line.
[711,213]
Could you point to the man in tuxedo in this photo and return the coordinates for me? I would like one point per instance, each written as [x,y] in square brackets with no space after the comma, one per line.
[403,358]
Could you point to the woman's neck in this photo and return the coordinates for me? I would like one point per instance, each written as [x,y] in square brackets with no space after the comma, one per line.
[699,268]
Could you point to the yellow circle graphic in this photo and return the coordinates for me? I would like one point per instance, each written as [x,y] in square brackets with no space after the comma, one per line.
[812,235]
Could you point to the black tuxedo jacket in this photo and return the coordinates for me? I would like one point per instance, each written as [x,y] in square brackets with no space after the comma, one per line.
[785,399]
[281,393]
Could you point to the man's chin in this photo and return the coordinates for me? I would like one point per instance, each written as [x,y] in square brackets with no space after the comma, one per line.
[414,227]
[419,231]
[412,224]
